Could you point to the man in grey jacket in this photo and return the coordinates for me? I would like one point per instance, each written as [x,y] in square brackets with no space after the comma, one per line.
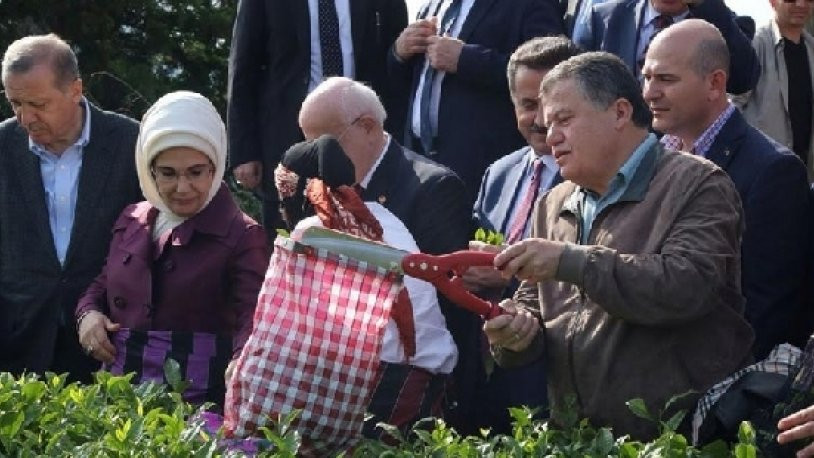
[631,280]
[781,103]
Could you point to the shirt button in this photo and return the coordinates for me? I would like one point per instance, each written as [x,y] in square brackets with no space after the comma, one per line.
[63,230]
[169,266]
[61,167]
[119,302]
[126,258]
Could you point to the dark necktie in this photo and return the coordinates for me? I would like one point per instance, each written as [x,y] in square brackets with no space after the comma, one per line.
[429,77]
[521,217]
[660,22]
[329,44]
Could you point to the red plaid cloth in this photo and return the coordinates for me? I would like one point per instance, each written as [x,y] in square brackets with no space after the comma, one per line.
[315,346]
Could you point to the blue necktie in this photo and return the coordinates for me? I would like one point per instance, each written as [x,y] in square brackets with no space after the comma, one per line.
[429,76]
[329,44]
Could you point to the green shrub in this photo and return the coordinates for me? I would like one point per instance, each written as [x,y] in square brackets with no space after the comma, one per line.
[113,418]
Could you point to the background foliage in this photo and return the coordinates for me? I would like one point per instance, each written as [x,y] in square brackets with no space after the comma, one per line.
[131,52]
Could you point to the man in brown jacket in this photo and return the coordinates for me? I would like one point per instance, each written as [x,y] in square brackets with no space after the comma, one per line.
[631,280]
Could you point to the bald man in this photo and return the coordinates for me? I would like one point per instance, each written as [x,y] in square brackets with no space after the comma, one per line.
[686,73]
[427,197]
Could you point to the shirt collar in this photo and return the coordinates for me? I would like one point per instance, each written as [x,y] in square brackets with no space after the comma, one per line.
[366,180]
[650,13]
[703,143]
[81,142]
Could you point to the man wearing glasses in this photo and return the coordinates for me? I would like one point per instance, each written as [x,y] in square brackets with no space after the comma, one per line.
[66,172]
[781,103]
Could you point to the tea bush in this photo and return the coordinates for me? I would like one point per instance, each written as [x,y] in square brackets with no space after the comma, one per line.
[113,418]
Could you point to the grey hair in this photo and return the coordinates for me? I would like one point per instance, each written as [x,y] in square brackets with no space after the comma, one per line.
[540,53]
[602,79]
[351,99]
[28,52]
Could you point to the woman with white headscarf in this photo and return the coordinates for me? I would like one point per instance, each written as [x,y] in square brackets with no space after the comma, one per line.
[184,267]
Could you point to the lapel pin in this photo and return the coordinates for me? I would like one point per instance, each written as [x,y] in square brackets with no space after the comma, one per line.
[382,199]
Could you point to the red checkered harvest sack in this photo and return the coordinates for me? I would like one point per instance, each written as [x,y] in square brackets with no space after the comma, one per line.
[315,346]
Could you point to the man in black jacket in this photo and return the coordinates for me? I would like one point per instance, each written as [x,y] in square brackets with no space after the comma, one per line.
[66,172]
[281,50]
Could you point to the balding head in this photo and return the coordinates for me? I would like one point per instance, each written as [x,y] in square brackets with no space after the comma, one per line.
[352,113]
[698,42]
[685,73]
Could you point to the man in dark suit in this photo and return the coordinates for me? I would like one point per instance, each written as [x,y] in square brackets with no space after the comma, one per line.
[281,50]
[507,195]
[452,61]
[626,27]
[685,75]
[428,198]
[66,172]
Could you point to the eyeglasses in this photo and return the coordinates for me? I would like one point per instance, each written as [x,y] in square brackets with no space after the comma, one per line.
[166,176]
[348,128]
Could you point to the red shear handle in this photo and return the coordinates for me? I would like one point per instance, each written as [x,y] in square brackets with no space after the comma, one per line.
[444,272]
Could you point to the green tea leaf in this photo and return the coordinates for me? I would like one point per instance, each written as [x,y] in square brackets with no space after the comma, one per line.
[639,409]
[480,235]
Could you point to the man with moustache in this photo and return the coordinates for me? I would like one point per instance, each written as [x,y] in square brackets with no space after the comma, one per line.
[509,189]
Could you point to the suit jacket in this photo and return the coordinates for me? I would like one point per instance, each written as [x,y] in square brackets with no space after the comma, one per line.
[773,187]
[767,106]
[37,294]
[614,27]
[501,190]
[475,116]
[269,71]
[431,201]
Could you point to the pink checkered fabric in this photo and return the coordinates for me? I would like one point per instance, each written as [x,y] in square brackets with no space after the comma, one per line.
[315,346]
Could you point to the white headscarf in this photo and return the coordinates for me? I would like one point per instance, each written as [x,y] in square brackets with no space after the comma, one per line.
[181,118]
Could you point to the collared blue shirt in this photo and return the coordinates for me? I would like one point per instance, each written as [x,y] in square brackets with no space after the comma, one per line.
[593,203]
[60,178]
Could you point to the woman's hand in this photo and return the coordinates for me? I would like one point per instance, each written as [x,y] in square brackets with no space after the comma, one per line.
[93,329]
[799,425]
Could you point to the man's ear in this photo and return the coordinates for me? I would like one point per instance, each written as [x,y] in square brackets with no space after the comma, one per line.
[623,112]
[75,89]
[716,84]
[367,123]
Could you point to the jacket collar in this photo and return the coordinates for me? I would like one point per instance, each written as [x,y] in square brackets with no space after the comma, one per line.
[215,219]
[636,190]
[727,142]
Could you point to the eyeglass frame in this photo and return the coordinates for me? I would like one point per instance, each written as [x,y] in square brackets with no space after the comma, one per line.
[209,169]
[351,124]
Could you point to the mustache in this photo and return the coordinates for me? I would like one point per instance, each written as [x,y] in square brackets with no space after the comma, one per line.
[537,129]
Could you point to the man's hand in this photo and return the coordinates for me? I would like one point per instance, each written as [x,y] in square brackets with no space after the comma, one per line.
[93,331]
[444,52]
[530,260]
[514,330]
[413,39]
[249,174]
[799,425]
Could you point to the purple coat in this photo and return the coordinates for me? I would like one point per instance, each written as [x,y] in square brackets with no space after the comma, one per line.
[204,277]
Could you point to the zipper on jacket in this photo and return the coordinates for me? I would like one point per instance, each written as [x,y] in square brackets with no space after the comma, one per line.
[575,316]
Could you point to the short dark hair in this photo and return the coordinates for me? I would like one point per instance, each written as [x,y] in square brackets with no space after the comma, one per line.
[26,53]
[602,79]
[541,53]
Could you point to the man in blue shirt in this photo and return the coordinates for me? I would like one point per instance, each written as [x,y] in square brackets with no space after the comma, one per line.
[66,171]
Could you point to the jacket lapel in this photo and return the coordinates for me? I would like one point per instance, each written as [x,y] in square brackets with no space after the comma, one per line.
[478,11]
[359,10]
[626,28]
[727,142]
[378,190]
[303,24]
[511,187]
[33,190]
[93,177]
